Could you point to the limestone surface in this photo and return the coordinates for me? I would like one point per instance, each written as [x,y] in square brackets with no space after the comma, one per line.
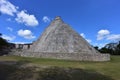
[60,37]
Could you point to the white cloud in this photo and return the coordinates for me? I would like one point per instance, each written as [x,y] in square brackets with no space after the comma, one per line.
[9,38]
[7,8]
[113,37]
[10,29]
[19,42]
[105,34]
[88,40]
[22,42]
[83,35]
[102,34]
[26,34]
[100,45]
[46,19]
[27,19]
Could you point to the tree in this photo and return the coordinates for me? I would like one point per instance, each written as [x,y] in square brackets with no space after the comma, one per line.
[97,48]
[112,48]
[0,35]
[118,49]
[4,46]
[3,42]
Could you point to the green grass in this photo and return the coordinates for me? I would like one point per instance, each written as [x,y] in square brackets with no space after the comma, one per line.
[110,68]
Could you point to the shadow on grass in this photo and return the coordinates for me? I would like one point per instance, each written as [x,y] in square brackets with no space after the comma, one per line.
[9,68]
[13,72]
[56,73]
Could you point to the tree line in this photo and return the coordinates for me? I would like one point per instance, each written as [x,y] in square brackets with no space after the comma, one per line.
[5,46]
[111,48]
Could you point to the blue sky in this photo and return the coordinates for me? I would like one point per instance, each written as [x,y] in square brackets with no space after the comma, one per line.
[98,21]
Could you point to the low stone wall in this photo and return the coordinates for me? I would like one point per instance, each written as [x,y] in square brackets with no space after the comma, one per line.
[68,56]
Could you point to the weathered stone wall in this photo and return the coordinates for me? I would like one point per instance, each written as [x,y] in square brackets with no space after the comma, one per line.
[67,56]
[23,46]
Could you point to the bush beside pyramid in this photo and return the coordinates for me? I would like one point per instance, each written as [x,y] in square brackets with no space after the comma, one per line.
[60,41]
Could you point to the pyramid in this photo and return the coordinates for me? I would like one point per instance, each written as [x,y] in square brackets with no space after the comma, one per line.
[60,41]
[60,37]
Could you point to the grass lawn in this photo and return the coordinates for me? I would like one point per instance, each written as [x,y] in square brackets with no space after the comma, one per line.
[110,68]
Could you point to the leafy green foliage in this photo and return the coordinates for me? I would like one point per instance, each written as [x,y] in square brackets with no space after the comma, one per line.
[4,46]
[3,42]
[111,48]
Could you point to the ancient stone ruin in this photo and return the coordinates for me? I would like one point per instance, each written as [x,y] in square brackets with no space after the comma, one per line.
[60,41]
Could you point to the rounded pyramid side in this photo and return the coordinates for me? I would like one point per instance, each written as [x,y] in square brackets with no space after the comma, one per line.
[59,37]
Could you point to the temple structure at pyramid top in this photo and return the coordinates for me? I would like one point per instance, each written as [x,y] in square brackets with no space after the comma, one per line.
[60,41]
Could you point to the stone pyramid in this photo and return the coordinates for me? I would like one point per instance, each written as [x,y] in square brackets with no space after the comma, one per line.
[60,37]
[60,41]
